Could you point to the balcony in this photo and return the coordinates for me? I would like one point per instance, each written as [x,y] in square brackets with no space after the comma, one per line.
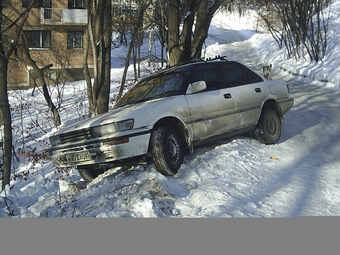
[57,16]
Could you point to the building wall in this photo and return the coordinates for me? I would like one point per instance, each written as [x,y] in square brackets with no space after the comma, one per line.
[66,62]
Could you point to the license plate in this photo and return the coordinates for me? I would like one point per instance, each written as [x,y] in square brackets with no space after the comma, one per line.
[78,157]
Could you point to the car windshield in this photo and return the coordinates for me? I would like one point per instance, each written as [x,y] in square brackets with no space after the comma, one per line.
[153,87]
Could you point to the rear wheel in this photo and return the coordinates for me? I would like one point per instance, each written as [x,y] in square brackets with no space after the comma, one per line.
[166,150]
[88,173]
[268,130]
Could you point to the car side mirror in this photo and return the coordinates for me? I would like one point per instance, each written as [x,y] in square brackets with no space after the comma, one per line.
[196,87]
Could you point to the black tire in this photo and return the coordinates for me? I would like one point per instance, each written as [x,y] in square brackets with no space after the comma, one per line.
[166,150]
[268,130]
[88,173]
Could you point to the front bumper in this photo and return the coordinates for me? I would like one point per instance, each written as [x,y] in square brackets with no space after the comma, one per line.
[100,151]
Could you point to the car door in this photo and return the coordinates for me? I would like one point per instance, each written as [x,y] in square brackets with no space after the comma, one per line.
[247,89]
[213,110]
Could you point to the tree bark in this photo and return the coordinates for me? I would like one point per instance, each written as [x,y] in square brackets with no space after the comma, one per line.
[188,45]
[99,33]
[173,47]
[132,44]
[204,17]
[40,81]
[7,119]
[4,102]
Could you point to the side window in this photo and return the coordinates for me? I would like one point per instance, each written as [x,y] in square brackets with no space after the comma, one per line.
[210,74]
[253,77]
[234,75]
[38,38]
[237,75]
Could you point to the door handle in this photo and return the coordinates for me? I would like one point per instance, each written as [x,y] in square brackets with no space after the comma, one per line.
[227,96]
[258,90]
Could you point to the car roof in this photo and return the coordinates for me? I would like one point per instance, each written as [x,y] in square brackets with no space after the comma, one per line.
[201,61]
[179,66]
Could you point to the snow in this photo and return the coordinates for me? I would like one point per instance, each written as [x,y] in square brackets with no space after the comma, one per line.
[233,178]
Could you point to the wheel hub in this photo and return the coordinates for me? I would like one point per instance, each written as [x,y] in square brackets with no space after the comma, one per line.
[271,126]
[172,149]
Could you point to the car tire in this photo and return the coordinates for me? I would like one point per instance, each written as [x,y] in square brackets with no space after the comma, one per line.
[268,130]
[167,150]
[88,173]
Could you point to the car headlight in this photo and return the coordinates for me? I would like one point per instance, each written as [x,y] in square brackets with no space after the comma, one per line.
[113,127]
[55,140]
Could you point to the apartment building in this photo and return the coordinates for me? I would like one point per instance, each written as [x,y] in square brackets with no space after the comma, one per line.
[54,33]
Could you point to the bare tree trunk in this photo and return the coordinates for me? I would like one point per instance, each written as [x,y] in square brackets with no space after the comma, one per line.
[304,27]
[126,67]
[4,102]
[7,119]
[150,47]
[140,42]
[86,72]
[133,40]
[173,47]
[39,72]
[162,29]
[99,32]
[204,17]
[134,58]
[189,44]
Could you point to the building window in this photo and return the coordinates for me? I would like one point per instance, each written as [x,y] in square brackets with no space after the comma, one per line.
[75,39]
[47,9]
[25,3]
[38,38]
[52,75]
[75,4]
[35,3]
[47,3]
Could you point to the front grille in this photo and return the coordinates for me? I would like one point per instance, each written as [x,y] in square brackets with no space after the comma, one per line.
[75,136]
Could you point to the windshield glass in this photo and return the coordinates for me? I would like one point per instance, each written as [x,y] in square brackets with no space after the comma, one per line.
[153,87]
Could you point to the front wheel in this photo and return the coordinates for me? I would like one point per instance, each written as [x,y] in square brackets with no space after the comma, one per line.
[88,173]
[268,130]
[166,150]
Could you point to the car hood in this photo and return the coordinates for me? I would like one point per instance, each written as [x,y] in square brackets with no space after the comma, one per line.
[114,115]
[141,112]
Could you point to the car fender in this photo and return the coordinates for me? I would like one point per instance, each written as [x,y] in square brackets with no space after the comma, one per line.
[172,111]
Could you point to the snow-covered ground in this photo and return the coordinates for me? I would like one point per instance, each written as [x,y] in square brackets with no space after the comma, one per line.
[237,177]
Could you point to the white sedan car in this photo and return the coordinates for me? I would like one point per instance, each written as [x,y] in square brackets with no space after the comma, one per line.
[169,113]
